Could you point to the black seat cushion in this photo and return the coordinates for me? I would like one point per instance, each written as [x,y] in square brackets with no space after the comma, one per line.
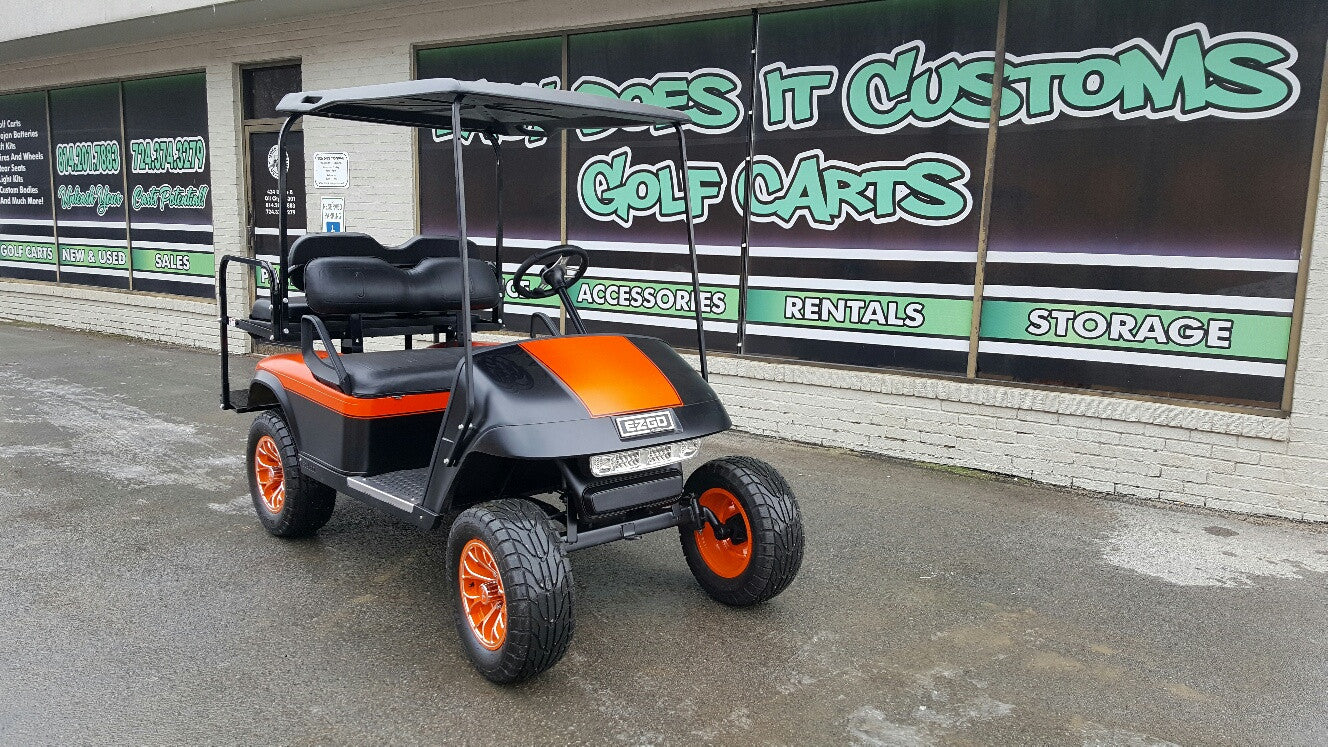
[369,285]
[392,372]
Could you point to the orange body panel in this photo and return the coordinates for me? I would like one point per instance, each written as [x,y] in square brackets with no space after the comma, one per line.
[293,374]
[610,375]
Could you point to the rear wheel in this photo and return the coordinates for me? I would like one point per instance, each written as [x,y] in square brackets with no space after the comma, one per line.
[289,503]
[513,589]
[758,550]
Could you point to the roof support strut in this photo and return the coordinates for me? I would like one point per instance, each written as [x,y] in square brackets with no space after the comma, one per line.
[278,292]
[460,174]
[691,247]
[498,231]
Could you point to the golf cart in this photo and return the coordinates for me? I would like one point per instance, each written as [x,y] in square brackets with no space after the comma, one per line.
[525,450]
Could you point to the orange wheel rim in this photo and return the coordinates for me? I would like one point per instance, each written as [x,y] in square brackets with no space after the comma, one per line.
[724,557]
[482,595]
[270,475]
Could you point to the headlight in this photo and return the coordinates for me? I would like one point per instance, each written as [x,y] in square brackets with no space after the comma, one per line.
[636,460]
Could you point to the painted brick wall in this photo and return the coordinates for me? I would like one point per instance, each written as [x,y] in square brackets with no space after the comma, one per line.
[169,319]
[1225,460]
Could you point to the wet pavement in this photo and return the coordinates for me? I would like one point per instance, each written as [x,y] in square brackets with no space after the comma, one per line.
[141,602]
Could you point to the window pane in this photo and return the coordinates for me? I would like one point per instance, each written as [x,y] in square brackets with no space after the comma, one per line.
[264,87]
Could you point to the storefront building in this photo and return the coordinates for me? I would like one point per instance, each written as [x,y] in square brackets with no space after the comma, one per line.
[1083,243]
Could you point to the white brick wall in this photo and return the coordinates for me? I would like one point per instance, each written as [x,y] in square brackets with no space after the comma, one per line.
[170,319]
[1233,461]
[1227,460]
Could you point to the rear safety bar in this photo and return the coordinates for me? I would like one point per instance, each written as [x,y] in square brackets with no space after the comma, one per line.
[224,321]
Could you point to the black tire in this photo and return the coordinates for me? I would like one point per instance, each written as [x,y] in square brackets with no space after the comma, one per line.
[536,581]
[776,537]
[307,503]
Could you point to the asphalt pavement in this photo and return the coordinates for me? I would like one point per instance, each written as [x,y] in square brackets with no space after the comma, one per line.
[142,603]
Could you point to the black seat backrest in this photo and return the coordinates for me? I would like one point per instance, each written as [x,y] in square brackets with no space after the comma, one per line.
[313,246]
[421,247]
[339,286]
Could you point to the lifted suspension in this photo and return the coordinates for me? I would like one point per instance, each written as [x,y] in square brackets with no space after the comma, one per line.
[733,530]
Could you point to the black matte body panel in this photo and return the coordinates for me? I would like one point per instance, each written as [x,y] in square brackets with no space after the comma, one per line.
[586,436]
[365,446]
[523,412]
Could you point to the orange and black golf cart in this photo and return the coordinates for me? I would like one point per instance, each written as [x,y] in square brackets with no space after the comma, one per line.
[524,450]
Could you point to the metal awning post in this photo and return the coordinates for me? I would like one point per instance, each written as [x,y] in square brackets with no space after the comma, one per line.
[691,246]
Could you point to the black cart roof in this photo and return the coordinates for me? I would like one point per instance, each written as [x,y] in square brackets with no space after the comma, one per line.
[496,108]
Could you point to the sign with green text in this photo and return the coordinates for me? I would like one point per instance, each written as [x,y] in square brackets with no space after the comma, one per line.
[626,201]
[90,209]
[170,200]
[1149,196]
[863,189]
[27,218]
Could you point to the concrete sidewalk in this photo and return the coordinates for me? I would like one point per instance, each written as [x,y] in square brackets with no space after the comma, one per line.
[140,601]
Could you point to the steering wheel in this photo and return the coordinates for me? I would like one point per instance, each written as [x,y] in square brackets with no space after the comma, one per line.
[559,267]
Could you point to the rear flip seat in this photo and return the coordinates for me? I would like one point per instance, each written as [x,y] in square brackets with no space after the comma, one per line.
[341,286]
[309,247]
[262,309]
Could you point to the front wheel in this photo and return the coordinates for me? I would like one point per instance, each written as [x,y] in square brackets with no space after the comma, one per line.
[513,589]
[761,548]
